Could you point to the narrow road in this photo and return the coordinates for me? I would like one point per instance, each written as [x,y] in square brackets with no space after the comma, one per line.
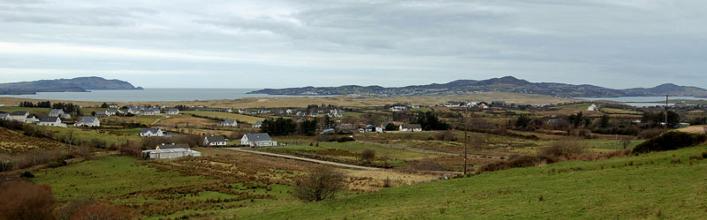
[304,159]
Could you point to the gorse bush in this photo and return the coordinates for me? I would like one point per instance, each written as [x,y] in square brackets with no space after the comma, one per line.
[670,141]
[563,150]
[21,200]
[320,184]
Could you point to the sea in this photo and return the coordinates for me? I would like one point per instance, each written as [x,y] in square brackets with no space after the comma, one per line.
[643,101]
[146,95]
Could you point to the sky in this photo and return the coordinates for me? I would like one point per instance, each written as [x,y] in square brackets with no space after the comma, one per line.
[276,44]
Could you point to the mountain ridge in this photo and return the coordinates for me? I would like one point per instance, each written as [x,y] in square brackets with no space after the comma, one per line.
[501,84]
[78,84]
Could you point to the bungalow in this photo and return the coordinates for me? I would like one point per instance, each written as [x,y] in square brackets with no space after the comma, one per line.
[112,111]
[152,111]
[88,121]
[172,111]
[135,110]
[32,119]
[258,140]
[101,114]
[228,123]
[170,151]
[51,121]
[398,108]
[215,141]
[593,108]
[410,128]
[151,132]
[4,116]
[367,129]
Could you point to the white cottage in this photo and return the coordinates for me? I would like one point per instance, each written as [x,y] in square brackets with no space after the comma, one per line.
[410,128]
[215,141]
[51,121]
[151,132]
[20,116]
[228,123]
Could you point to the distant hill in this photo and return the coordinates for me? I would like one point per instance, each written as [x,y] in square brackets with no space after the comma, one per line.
[503,84]
[80,84]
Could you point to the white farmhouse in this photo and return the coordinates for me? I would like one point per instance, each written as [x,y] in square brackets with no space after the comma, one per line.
[170,151]
[258,124]
[172,111]
[4,116]
[51,121]
[20,116]
[88,121]
[593,107]
[228,123]
[410,128]
[151,132]
[258,140]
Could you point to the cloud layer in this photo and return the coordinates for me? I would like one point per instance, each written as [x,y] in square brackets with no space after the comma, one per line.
[255,44]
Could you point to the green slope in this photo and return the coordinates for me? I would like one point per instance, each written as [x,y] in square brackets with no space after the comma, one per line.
[652,186]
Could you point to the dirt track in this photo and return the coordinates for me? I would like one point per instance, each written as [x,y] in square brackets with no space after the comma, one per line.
[343,165]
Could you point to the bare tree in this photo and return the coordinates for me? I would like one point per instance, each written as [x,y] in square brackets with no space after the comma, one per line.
[367,156]
[320,184]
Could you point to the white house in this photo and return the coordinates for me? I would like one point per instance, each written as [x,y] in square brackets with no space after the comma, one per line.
[172,111]
[4,116]
[215,141]
[20,116]
[592,108]
[410,128]
[32,119]
[152,111]
[51,121]
[398,108]
[88,121]
[228,123]
[170,151]
[258,140]
[59,113]
[151,132]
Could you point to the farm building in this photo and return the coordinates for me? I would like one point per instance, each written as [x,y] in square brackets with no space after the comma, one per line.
[51,121]
[215,141]
[88,121]
[258,140]
[410,128]
[228,123]
[59,113]
[170,151]
[151,132]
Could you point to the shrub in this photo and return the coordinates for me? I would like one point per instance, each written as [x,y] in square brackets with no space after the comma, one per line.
[27,174]
[367,156]
[670,141]
[320,184]
[23,200]
[446,136]
[345,139]
[6,165]
[563,150]
[514,162]
[651,133]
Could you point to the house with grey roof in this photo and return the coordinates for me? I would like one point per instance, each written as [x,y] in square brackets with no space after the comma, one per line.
[258,124]
[4,116]
[152,132]
[170,151]
[215,141]
[258,140]
[51,121]
[88,121]
[56,113]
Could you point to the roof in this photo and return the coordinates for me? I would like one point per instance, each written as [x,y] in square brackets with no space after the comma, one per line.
[172,146]
[213,139]
[228,121]
[88,119]
[258,137]
[412,126]
[48,119]
[151,130]
[56,111]
[172,110]
[18,113]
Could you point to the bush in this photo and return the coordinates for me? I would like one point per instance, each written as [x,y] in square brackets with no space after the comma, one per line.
[514,162]
[651,133]
[100,210]
[367,156]
[320,184]
[563,150]
[670,141]
[21,200]
[27,174]
[446,136]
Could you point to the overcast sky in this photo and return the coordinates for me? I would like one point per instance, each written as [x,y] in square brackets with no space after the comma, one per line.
[257,44]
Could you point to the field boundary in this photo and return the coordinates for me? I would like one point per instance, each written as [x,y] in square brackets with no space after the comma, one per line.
[343,165]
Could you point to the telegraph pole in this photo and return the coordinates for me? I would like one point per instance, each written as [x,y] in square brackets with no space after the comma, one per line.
[466,140]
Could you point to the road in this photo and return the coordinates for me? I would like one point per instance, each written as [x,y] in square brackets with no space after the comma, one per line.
[343,165]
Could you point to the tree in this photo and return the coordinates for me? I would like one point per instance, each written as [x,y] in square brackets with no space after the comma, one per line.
[104,105]
[430,121]
[576,119]
[320,184]
[523,121]
[604,121]
[280,126]
[308,127]
[391,127]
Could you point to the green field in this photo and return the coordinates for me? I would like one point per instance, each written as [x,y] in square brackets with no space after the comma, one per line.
[36,111]
[225,115]
[652,186]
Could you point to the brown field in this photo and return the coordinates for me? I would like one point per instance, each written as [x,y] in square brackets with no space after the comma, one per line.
[697,129]
[16,142]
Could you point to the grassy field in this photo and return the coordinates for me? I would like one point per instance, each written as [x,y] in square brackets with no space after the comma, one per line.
[225,115]
[36,111]
[653,186]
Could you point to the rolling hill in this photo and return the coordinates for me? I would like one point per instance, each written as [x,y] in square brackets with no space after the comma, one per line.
[80,84]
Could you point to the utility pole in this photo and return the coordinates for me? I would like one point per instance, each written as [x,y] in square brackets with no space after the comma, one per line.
[466,140]
[666,111]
